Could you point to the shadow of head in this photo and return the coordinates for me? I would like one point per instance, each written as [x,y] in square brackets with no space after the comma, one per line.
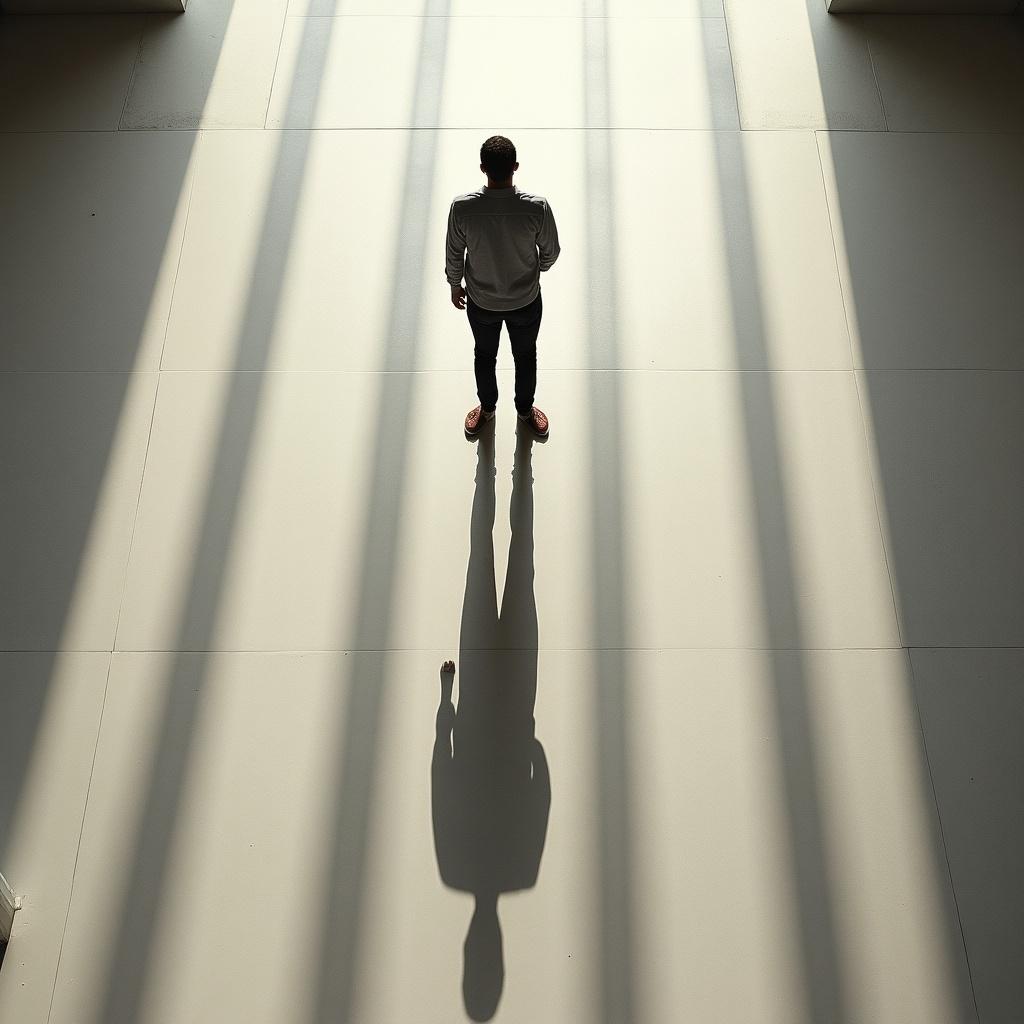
[483,974]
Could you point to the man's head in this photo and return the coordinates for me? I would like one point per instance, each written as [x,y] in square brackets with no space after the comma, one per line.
[498,159]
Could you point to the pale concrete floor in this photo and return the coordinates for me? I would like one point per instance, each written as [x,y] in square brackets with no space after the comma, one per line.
[774,646]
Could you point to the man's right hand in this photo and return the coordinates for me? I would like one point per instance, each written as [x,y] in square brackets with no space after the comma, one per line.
[458,296]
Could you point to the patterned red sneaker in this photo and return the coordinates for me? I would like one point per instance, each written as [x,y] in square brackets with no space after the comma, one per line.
[537,421]
[475,420]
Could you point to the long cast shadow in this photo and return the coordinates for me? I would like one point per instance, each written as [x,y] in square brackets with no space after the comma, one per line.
[490,786]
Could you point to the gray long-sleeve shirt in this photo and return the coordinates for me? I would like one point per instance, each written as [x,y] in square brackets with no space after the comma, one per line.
[500,239]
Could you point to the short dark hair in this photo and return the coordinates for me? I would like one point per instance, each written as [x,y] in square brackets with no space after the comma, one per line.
[498,156]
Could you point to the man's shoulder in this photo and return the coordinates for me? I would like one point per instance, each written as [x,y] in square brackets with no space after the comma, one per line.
[480,197]
[532,197]
[467,197]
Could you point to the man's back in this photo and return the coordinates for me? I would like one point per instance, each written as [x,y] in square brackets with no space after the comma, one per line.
[500,239]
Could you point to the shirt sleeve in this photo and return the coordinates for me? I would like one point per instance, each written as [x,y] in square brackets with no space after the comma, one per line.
[547,240]
[455,250]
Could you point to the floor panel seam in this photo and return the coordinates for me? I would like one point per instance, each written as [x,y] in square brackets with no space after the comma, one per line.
[661,649]
[81,833]
[878,87]
[942,834]
[277,62]
[751,130]
[849,313]
[135,515]
[636,370]
[875,481]
[131,76]
[195,156]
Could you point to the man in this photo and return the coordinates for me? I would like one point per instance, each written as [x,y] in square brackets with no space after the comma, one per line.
[501,239]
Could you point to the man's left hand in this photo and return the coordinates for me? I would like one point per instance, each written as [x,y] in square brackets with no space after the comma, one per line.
[458,296]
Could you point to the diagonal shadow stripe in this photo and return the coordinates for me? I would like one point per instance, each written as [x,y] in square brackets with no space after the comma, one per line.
[618,999]
[798,760]
[186,681]
[844,210]
[69,516]
[355,771]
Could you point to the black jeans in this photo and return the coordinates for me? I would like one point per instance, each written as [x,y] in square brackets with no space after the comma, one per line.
[523,326]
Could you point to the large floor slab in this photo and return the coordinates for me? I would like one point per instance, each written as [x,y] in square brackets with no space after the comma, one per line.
[329,511]
[727,262]
[926,236]
[951,493]
[68,73]
[709,788]
[971,703]
[72,448]
[798,67]
[307,791]
[50,705]
[647,72]
[949,74]
[212,68]
[93,223]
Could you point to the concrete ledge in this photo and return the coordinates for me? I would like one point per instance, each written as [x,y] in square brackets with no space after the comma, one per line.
[923,6]
[92,6]
[8,905]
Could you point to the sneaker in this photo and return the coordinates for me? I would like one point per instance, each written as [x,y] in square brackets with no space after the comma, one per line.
[475,420]
[537,421]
